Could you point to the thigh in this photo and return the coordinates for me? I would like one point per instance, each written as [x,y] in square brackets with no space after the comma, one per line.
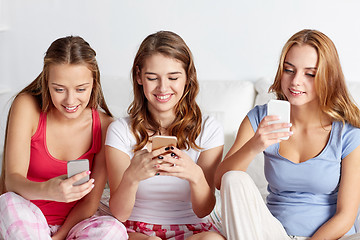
[141,236]
[207,236]
[21,219]
[98,227]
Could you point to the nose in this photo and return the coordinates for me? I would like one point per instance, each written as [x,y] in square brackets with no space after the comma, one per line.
[297,79]
[163,84]
[70,98]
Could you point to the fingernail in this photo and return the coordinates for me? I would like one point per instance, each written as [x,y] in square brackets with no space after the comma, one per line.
[172,148]
[167,149]
[88,172]
[157,174]
[290,124]
[291,133]
[172,154]
[160,157]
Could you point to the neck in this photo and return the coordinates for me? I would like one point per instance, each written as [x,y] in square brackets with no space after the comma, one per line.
[308,115]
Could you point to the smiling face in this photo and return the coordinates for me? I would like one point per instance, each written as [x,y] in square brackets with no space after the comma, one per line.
[163,80]
[298,78]
[70,88]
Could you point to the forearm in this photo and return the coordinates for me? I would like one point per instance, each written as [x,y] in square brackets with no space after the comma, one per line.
[335,228]
[27,189]
[202,197]
[122,200]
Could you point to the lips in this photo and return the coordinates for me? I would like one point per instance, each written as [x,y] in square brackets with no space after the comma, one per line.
[163,97]
[296,92]
[71,109]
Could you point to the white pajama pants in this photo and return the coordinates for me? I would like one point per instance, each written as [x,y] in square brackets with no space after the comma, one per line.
[20,219]
[245,215]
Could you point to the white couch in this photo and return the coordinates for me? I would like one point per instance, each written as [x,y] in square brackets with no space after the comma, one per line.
[228,101]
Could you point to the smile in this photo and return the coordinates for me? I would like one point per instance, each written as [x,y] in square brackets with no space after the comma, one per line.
[163,98]
[296,92]
[71,109]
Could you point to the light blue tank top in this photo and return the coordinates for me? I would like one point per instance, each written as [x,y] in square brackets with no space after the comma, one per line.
[303,195]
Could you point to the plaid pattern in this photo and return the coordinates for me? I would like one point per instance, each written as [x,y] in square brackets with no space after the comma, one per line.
[169,232]
[21,219]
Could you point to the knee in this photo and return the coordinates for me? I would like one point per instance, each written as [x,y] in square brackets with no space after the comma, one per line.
[234,177]
[9,197]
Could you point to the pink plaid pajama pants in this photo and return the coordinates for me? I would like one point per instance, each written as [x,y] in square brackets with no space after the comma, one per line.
[21,219]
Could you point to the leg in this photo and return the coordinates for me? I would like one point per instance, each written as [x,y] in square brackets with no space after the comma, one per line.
[141,236]
[244,213]
[21,219]
[207,236]
[98,227]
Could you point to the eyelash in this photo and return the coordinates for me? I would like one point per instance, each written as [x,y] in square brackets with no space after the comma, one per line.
[60,90]
[153,79]
[292,72]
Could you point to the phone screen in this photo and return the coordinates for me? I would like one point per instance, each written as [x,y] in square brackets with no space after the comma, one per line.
[280,108]
[77,166]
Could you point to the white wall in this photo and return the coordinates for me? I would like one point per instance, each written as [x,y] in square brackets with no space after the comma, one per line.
[231,40]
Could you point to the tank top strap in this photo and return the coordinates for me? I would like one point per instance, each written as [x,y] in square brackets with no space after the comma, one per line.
[96,127]
[41,128]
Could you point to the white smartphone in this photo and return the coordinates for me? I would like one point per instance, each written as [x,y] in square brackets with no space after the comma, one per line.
[77,166]
[279,108]
[163,141]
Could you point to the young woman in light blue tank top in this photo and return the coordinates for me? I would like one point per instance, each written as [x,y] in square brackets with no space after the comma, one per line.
[314,180]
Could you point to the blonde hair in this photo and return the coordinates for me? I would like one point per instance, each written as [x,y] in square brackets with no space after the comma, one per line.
[187,124]
[334,98]
[67,50]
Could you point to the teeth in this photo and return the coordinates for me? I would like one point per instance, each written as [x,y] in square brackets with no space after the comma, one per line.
[163,97]
[70,108]
[296,92]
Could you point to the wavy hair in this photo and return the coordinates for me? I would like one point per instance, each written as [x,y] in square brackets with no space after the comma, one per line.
[187,124]
[333,96]
[72,50]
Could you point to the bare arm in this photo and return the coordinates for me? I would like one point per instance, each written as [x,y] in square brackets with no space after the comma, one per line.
[248,144]
[347,202]
[23,122]
[125,176]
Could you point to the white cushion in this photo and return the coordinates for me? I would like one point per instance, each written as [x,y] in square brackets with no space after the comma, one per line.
[228,101]
[262,87]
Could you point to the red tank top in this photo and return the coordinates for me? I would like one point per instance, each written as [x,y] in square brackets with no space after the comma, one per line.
[43,166]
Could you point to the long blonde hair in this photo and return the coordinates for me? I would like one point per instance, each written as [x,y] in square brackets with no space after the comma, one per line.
[334,98]
[187,124]
[67,50]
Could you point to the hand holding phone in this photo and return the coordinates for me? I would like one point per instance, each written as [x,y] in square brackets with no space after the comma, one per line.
[77,166]
[279,108]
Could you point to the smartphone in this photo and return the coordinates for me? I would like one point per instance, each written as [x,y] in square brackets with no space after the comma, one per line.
[163,141]
[77,166]
[279,108]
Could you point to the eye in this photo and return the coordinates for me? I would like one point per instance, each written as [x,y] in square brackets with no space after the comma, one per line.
[81,89]
[173,78]
[151,79]
[290,71]
[59,90]
[310,75]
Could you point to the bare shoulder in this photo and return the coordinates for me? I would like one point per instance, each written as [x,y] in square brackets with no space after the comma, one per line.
[25,112]
[105,120]
[25,105]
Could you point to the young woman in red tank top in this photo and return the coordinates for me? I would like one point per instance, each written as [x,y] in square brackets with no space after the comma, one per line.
[60,116]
